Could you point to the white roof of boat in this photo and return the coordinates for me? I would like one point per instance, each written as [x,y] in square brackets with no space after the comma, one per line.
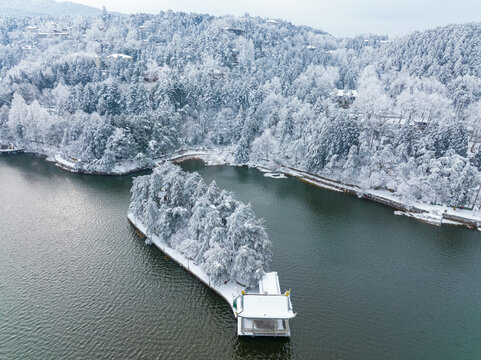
[269,284]
[266,307]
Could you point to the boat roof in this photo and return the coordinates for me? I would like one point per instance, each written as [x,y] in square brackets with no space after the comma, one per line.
[261,306]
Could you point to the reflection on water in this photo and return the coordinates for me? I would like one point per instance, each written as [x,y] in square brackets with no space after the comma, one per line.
[77,282]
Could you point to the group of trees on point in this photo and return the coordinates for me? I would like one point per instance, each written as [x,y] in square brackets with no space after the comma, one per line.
[206,224]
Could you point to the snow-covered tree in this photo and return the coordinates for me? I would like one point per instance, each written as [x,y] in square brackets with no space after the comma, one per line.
[133,89]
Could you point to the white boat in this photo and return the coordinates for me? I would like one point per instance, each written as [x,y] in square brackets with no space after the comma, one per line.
[10,149]
[275,175]
[266,313]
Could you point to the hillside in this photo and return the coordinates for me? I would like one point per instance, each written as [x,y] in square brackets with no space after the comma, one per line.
[19,8]
[400,115]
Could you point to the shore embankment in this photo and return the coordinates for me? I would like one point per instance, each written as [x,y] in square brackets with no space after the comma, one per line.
[431,214]
[124,167]
[229,291]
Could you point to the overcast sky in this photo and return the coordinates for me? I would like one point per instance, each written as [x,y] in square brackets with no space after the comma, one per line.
[338,17]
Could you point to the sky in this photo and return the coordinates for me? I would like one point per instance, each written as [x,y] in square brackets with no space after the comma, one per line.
[338,17]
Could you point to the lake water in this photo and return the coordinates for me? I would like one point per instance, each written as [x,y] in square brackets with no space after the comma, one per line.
[77,282]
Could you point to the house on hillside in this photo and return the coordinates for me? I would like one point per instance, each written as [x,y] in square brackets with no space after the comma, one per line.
[395,120]
[152,76]
[272,22]
[121,57]
[345,98]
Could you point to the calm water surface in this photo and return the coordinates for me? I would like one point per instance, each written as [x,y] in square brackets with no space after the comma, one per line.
[76,281]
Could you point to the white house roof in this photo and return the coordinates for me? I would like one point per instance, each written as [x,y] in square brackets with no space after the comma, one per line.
[260,306]
[120,56]
[341,92]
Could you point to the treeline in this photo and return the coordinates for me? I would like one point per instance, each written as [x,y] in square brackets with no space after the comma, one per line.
[206,224]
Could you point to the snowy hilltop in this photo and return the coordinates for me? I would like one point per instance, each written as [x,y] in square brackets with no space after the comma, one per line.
[204,223]
[117,93]
[45,7]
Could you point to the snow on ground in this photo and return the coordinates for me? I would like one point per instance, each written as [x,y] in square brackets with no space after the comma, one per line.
[209,156]
[65,164]
[426,217]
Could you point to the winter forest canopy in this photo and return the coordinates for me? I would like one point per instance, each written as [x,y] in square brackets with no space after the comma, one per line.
[134,88]
[205,223]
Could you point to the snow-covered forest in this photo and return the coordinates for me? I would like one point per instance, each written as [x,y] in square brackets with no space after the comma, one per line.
[205,223]
[113,88]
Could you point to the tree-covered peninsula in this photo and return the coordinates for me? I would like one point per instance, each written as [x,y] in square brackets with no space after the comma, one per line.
[204,223]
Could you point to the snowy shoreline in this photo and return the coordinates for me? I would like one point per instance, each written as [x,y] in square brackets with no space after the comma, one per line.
[123,168]
[228,291]
[431,214]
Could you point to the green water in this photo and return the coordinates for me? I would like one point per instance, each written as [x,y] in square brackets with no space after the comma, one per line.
[77,282]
